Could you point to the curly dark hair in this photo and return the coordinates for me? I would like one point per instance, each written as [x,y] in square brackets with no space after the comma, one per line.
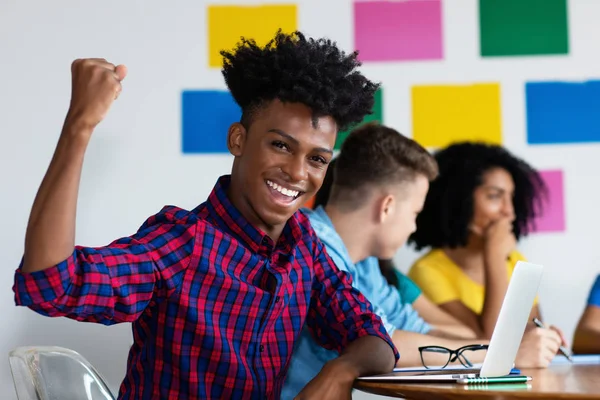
[291,68]
[448,208]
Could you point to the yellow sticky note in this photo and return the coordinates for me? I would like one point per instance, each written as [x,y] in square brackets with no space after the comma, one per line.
[446,114]
[226,24]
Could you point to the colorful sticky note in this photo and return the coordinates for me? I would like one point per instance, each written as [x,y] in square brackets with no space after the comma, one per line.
[227,23]
[206,118]
[310,203]
[376,115]
[552,218]
[523,27]
[398,30]
[563,112]
[452,113]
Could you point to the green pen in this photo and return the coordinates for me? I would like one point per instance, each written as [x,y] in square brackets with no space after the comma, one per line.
[498,379]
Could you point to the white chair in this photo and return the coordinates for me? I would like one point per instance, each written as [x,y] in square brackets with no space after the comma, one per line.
[55,373]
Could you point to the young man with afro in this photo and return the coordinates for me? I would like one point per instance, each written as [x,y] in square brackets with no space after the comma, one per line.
[218,295]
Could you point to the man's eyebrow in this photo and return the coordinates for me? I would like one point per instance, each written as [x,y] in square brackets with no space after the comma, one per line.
[295,141]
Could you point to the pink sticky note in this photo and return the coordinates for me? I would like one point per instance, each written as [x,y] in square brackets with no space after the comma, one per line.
[398,30]
[553,214]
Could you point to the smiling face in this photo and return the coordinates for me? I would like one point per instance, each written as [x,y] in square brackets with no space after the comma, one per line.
[493,199]
[279,163]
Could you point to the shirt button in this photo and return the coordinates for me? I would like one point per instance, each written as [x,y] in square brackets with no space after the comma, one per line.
[265,241]
[277,299]
[261,348]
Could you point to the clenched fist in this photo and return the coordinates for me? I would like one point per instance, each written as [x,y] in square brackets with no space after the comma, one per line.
[96,84]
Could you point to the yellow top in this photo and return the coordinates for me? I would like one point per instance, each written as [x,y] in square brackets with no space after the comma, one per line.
[443,281]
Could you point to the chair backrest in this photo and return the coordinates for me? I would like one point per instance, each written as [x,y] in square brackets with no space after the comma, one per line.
[55,373]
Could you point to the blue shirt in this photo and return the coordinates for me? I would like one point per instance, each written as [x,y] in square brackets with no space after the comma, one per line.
[308,357]
[594,298]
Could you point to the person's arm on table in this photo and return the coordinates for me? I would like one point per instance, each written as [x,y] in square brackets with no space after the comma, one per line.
[587,334]
[538,348]
[441,320]
[340,318]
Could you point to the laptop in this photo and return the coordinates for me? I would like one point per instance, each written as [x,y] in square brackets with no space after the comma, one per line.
[506,338]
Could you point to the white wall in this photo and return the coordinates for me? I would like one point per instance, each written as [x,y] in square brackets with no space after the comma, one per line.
[134,165]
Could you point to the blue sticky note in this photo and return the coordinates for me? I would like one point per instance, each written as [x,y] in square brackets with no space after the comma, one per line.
[206,118]
[563,112]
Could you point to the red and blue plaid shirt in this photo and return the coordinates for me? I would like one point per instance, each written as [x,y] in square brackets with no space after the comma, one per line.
[216,305]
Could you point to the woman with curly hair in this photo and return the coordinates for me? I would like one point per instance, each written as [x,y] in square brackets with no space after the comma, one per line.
[483,201]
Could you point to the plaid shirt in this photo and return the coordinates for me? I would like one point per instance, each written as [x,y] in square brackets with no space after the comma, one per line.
[216,305]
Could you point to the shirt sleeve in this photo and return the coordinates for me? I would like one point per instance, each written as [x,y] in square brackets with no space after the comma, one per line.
[114,283]
[345,265]
[387,299]
[339,314]
[594,297]
[409,292]
[436,286]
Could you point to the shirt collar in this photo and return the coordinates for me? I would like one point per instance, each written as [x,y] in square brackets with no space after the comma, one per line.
[229,218]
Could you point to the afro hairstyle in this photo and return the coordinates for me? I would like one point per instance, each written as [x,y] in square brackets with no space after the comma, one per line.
[294,69]
[449,205]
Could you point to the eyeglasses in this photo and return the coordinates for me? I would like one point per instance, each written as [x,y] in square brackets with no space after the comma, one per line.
[440,357]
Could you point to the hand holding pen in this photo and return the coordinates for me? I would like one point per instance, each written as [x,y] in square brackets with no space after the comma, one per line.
[562,349]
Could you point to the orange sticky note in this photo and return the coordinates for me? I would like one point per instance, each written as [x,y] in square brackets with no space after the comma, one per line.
[310,203]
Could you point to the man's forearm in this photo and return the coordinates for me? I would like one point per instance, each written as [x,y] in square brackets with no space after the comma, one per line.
[366,356]
[452,332]
[50,236]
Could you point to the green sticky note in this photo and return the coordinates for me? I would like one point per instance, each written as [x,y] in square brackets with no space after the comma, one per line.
[523,27]
[377,115]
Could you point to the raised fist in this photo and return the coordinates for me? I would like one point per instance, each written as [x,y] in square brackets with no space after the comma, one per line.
[96,83]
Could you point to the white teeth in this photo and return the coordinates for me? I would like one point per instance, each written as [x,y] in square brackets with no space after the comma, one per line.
[282,190]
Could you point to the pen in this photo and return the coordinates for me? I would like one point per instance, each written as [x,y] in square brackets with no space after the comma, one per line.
[499,379]
[562,349]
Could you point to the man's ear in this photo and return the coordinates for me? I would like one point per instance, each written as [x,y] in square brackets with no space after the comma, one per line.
[236,139]
[386,207]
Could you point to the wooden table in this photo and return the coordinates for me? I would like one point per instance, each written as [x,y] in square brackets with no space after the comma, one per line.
[556,382]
